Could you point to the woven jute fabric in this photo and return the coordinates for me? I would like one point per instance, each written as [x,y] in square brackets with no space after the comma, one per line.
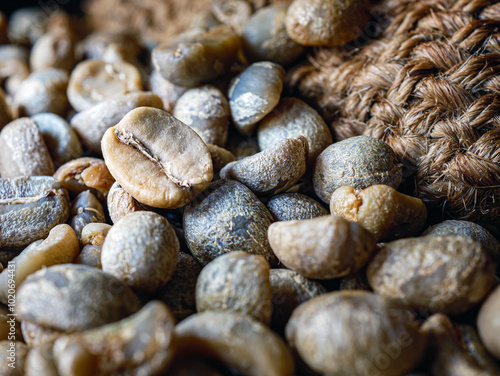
[425,78]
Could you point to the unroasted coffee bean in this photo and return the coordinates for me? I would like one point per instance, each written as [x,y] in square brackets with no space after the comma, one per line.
[91,256]
[228,218]
[53,50]
[356,281]
[237,340]
[180,64]
[34,335]
[141,250]
[289,290]
[294,206]
[5,111]
[40,361]
[179,292]
[220,158]
[206,110]
[95,233]
[74,297]
[452,352]
[29,209]
[469,230]
[294,118]
[14,67]
[170,163]
[488,324]
[237,282]
[265,36]
[62,142]
[23,151]
[166,90]
[254,93]
[357,162]
[326,22]
[43,92]
[382,210]
[447,274]
[91,124]
[85,173]
[142,344]
[27,24]
[94,46]
[121,203]
[355,333]
[324,247]
[242,146]
[60,247]
[12,358]
[85,209]
[273,170]
[93,81]
[234,13]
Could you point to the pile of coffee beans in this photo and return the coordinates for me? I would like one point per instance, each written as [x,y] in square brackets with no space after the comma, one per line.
[170,209]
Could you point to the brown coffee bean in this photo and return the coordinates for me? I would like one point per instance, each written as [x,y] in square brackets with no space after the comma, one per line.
[448,274]
[5,110]
[142,344]
[206,110]
[42,92]
[289,290]
[355,333]
[23,151]
[29,209]
[357,162]
[265,36]
[236,340]
[85,209]
[326,22]
[171,164]
[488,324]
[53,50]
[324,247]
[294,118]
[12,358]
[273,170]
[294,206]
[62,142]
[141,250]
[179,292]
[228,218]
[382,210]
[356,281]
[90,255]
[92,123]
[85,173]
[74,297]
[179,62]
[236,282]
[60,247]
[93,81]
[121,203]
[220,158]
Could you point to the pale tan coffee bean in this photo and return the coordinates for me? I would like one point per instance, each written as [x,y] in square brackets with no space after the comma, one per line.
[159,160]
[53,50]
[488,324]
[120,203]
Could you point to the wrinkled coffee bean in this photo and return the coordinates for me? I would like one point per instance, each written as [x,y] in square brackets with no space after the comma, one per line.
[324,247]
[355,333]
[62,142]
[236,340]
[85,209]
[171,164]
[236,282]
[294,118]
[60,247]
[294,206]
[74,297]
[43,92]
[94,81]
[29,208]
[180,64]
[273,170]
[488,324]
[206,110]
[142,344]
[179,292]
[53,50]
[228,217]
[92,123]
[357,162]
[23,151]
[120,203]
[448,274]
[265,36]
[382,210]
[141,250]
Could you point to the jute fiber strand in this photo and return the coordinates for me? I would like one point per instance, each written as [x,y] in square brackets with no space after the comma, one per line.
[425,78]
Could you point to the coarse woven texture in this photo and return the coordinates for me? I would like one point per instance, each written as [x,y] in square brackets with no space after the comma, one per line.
[423,78]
